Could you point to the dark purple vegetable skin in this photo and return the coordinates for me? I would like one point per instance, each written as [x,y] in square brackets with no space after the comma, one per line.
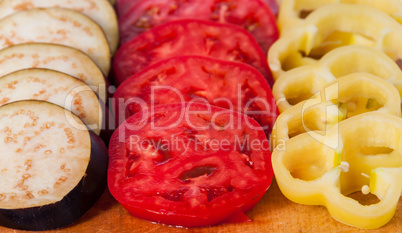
[108,124]
[73,206]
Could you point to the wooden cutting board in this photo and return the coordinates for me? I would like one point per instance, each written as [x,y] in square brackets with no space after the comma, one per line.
[274,213]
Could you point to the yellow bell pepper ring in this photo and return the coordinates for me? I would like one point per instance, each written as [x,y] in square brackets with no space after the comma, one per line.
[293,12]
[302,82]
[362,154]
[333,26]
[338,100]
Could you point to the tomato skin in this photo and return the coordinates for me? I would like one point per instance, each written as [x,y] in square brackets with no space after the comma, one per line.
[221,41]
[193,221]
[123,6]
[252,15]
[155,190]
[198,77]
[273,5]
[183,220]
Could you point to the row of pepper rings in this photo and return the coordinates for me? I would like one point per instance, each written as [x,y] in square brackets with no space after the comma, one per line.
[338,87]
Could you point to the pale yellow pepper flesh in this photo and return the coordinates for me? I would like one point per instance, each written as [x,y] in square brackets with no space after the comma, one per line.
[332,26]
[303,82]
[344,160]
[338,100]
[293,12]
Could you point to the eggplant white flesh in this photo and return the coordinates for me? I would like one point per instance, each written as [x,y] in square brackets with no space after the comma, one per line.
[55,87]
[55,57]
[51,173]
[100,11]
[57,26]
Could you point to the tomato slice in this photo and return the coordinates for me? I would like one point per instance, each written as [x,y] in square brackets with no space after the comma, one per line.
[252,15]
[230,85]
[188,164]
[189,37]
[273,5]
[123,6]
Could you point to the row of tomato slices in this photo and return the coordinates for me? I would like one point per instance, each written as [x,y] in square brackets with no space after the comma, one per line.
[186,72]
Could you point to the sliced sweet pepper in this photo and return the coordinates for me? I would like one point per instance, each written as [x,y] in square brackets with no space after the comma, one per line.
[293,12]
[351,158]
[338,100]
[302,82]
[315,36]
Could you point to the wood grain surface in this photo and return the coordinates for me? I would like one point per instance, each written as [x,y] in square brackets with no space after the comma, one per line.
[274,213]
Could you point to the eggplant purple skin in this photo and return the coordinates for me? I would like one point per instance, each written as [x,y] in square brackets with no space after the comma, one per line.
[73,206]
[108,124]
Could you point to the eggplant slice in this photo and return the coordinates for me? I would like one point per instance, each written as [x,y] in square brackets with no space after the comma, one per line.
[51,173]
[55,87]
[99,11]
[57,26]
[54,57]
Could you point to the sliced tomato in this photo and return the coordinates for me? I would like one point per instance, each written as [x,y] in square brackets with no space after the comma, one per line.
[189,37]
[123,6]
[252,15]
[273,5]
[230,85]
[189,164]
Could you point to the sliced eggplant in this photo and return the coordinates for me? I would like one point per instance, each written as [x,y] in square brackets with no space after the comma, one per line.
[55,57]
[57,26]
[51,173]
[55,87]
[100,11]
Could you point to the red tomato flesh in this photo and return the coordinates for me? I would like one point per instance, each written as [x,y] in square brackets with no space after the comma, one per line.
[273,5]
[189,165]
[189,37]
[252,15]
[123,6]
[230,85]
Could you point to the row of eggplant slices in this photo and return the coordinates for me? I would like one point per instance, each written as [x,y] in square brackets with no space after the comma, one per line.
[54,57]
